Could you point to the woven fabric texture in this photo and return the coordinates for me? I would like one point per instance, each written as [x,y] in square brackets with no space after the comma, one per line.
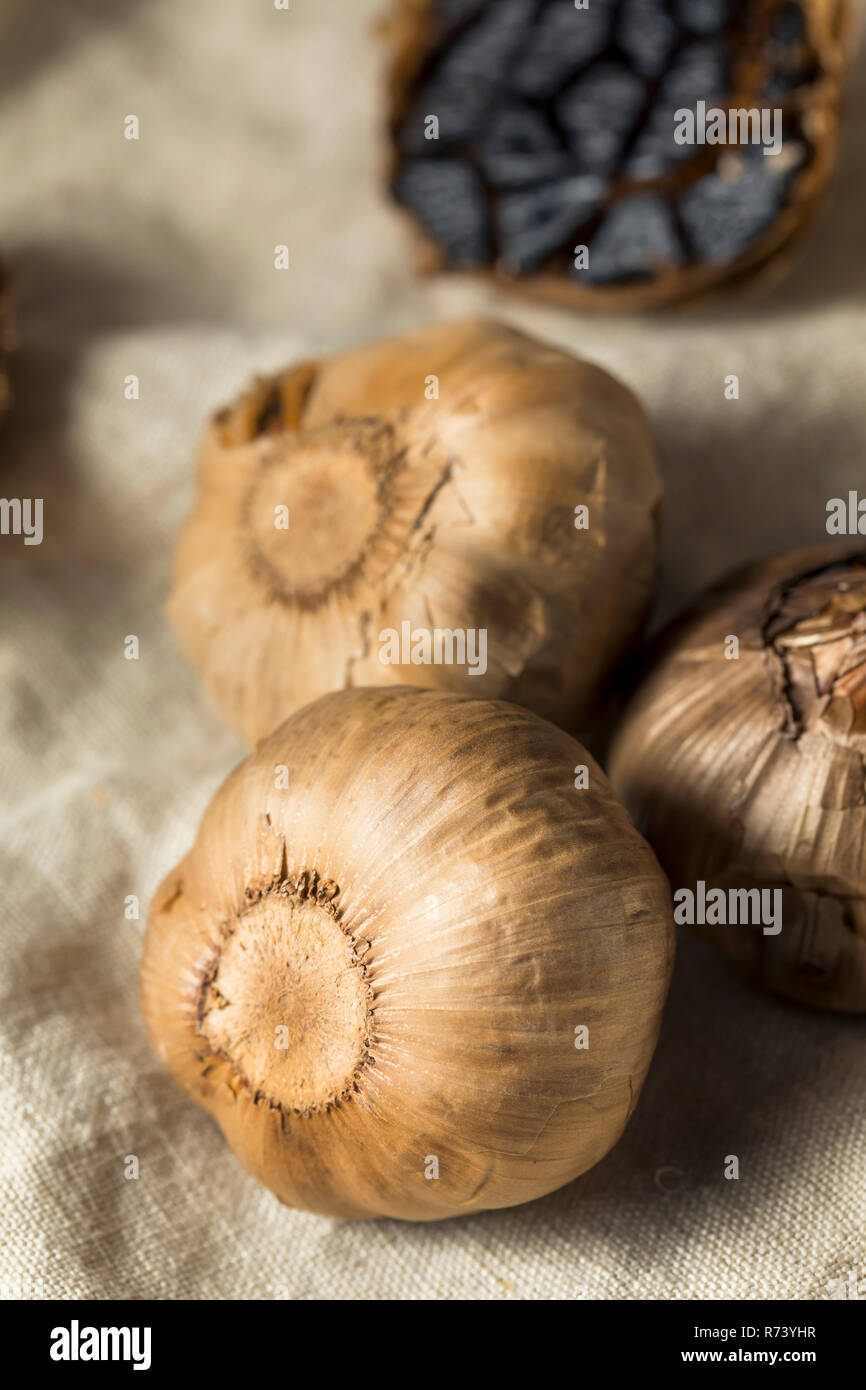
[155,257]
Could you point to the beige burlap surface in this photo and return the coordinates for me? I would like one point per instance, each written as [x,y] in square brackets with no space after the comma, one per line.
[155,258]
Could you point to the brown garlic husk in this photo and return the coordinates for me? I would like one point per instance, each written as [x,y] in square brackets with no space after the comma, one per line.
[431,483]
[748,773]
[376,963]
[790,56]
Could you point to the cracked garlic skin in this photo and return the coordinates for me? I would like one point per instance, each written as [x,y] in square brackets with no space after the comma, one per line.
[749,773]
[373,974]
[455,513]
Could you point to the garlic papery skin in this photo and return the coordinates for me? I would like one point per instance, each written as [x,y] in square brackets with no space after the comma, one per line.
[410,967]
[741,758]
[463,479]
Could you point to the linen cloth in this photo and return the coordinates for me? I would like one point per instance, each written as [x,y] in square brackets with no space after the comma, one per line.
[155,257]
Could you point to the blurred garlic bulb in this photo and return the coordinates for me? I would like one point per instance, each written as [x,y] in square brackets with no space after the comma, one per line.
[7,338]
[414,965]
[748,772]
[464,481]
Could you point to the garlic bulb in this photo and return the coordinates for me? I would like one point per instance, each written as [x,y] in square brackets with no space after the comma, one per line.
[416,959]
[741,758]
[618,154]
[463,508]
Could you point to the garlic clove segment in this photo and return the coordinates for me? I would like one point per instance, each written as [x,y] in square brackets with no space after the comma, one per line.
[464,479]
[741,758]
[410,967]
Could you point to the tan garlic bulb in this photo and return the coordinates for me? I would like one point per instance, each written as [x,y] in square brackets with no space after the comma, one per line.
[415,962]
[463,508]
[741,758]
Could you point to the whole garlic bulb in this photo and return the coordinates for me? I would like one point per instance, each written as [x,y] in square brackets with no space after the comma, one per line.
[743,764]
[410,967]
[463,479]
